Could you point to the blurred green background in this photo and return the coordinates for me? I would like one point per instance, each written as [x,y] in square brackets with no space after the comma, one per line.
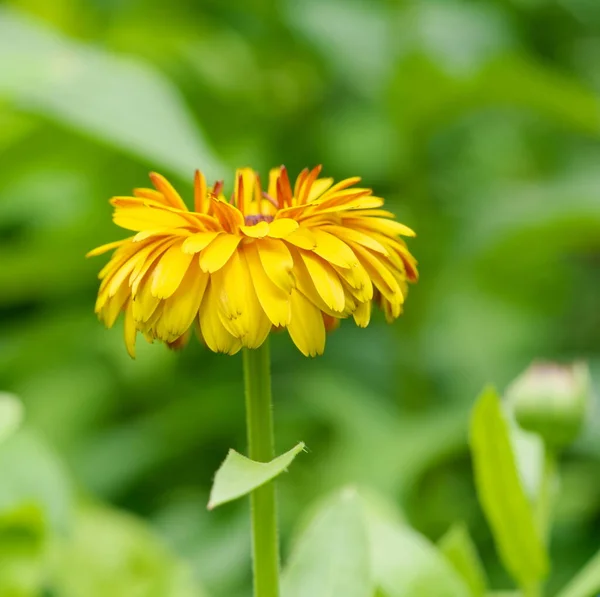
[478,121]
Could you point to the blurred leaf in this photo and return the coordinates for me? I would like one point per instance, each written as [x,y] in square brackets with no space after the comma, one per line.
[501,494]
[31,474]
[331,558]
[113,98]
[110,553]
[22,541]
[238,475]
[11,415]
[560,214]
[587,581]
[355,38]
[460,551]
[406,563]
[511,80]
[528,449]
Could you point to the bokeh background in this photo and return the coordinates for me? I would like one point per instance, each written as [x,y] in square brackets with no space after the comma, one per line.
[478,121]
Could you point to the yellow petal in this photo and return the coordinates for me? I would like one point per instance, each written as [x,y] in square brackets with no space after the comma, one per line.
[383,225]
[340,186]
[245,181]
[277,262]
[274,301]
[150,254]
[319,187]
[282,227]
[274,174]
[198,241]
[334,250]
[151,194]
[306,327]
[170,194]
[181,308]
[218,252]
[144,218]
[144,234]
[130,331]
[105,248]
[217,338]
[302,238]
[239,307]
[348,233]
[326,281]
[304,283]
[259,230]
[380,275]
[120,276]
[144,303]
[169,271]
[361,201]
[110,309]
[200,193]
[358,280]
[362,314]
[229,216]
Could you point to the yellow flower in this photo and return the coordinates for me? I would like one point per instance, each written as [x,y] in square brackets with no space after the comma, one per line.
[300,258]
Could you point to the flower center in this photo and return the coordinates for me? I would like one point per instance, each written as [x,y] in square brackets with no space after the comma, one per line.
[253,219]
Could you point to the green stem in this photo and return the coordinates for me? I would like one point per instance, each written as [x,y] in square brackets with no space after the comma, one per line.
[259,416]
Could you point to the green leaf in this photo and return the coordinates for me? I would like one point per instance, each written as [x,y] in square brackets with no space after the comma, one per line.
[22,550]
[11,415]
[113,98]
[112,553]
[586,583]
[406,563]
[32,474]
[239,475]
[460,551]
[501,494]
[331,558]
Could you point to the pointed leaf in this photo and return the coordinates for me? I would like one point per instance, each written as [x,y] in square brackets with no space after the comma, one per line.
[331,557]
[501,494]
[406,563]
[239,476]
[117,99]
[587,581]
[460,551]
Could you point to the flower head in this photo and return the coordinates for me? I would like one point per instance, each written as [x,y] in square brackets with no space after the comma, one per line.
[299,258]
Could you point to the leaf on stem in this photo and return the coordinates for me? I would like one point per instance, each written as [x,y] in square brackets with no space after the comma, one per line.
[239,476]
[502,497]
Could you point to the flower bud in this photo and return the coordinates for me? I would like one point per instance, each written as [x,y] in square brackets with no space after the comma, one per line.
[552,400]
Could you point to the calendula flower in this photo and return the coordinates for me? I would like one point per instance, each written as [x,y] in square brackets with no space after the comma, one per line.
[299,258]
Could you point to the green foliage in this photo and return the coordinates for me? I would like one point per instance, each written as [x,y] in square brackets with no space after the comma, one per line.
[85,88]
[477,121]
[11,415]
[239,476]
[110,553]
[586,583]
[502,497]
[331,557]
[459,549]
[406,563]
